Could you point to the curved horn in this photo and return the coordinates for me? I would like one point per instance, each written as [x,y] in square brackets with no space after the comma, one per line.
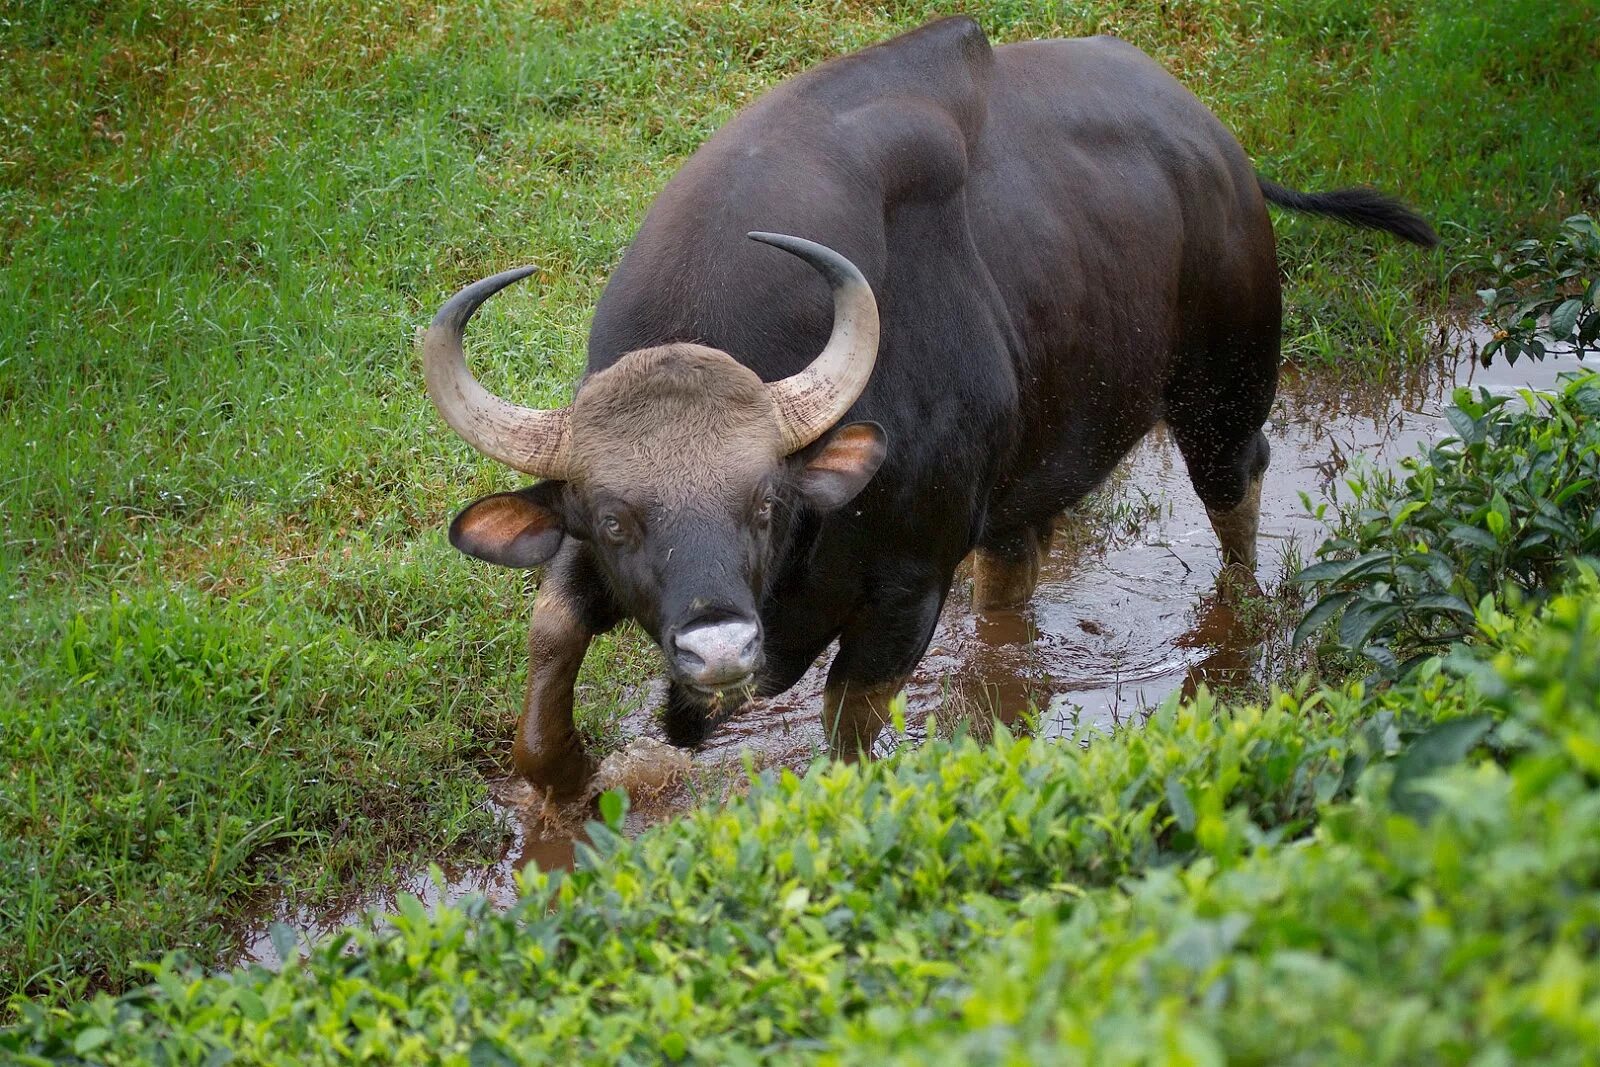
[816,398]
[530,440]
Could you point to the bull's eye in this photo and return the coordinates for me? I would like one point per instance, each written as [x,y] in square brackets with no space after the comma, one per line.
[764,510]
[612,530]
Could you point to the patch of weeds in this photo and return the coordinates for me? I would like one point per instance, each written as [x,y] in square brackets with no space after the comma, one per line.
[613,683]
[171,753]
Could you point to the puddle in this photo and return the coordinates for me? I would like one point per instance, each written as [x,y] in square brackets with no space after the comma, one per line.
[1115,626]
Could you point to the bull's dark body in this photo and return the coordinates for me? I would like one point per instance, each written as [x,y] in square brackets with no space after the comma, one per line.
[1066,247]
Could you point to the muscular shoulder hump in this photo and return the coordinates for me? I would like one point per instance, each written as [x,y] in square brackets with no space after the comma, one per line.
[822,156]
[909,111]
[946,63]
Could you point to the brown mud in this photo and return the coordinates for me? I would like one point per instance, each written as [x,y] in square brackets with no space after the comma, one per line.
[1125,614]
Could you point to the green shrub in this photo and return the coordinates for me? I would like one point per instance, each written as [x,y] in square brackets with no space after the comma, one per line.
[1251,883]
[1502,506]
[1545,291]
[1465,937]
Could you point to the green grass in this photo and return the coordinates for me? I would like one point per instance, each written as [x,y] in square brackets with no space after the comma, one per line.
[238,662]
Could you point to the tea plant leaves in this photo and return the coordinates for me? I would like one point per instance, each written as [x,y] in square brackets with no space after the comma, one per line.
[1467,428]
[1506,506]
[1338,569]
[1362,620]
[1531,299]
[1385,875]
[1564,318]
[1442,746]
[1322,611]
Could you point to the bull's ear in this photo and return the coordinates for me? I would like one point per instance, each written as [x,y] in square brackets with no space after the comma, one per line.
[845,465]
[520,529]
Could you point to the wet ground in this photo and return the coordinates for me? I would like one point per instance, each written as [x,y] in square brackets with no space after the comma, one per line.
[1123,616]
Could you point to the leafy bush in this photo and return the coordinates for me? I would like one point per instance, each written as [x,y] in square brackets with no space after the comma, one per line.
[1545,290]
[1465,936]
[1248,883]
[1504,504]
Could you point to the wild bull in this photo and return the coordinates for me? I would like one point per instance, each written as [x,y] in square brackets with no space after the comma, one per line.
[1035,252]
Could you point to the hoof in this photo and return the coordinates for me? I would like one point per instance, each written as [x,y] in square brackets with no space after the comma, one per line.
[562,773]
[1236,582]
[1006,582]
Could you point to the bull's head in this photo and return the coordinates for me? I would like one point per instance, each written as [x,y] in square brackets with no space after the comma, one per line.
[676,465]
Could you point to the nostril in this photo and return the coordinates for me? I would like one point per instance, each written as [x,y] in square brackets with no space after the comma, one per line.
[688,657]
[717,652]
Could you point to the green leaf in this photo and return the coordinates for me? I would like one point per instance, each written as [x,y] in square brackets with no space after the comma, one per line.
[486,1052]
[1443,602]
[1178,801]
[90,1039]
[283,940]
[1317,617]
[1590,330]
[1471,535]
[1443,746]
[1572,490]
[1410,509]
[1363,620]
[1334,570]
[1564,318]
[613,808]
[1467,428]
[251,1006]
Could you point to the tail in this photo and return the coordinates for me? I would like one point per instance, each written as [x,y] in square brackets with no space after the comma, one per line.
[1363,207]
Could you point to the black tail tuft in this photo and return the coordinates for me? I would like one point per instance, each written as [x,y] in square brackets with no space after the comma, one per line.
[1362,207]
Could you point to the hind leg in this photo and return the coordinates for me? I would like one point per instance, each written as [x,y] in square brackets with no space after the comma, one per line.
[1237,525]
[1216,416]
[1006,569]
[1227,477]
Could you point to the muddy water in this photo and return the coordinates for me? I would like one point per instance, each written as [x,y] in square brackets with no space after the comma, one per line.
[1123,616]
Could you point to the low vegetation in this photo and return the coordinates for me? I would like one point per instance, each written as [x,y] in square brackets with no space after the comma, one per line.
[1398,876]
[1545,294]
[239,670]
[1502,506]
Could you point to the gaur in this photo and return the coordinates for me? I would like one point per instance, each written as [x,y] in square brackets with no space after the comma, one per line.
[1032,253]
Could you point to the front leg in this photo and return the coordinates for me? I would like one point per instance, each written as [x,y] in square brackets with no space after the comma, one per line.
[572,607]
[878,649]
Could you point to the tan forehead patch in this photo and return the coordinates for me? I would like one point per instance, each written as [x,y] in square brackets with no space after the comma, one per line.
[678,422]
